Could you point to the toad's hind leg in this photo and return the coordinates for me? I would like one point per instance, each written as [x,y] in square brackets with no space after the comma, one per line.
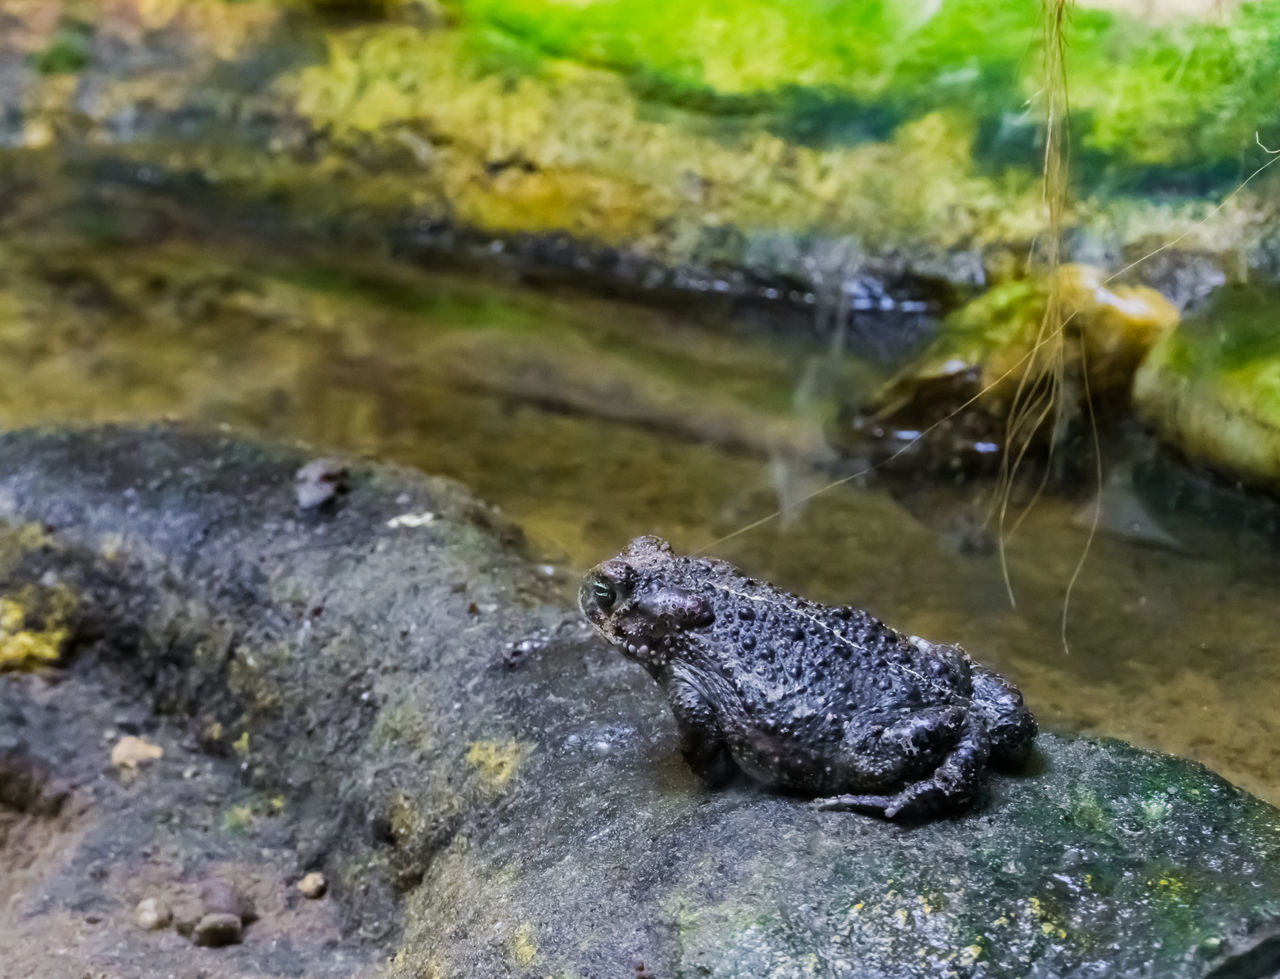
[949,787]
[1010,727]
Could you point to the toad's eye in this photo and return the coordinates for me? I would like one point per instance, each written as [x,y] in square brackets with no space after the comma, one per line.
[604,593]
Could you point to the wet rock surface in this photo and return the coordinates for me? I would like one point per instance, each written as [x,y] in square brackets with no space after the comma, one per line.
[333,693]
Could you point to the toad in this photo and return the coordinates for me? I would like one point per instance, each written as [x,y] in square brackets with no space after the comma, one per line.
[802,697]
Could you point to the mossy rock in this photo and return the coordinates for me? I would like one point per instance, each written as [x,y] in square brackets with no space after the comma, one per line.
[1212,388]
[993,352]
[491,791]
[834,71]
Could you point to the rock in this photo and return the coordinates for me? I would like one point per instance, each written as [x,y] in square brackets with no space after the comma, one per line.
[313,885]
[220,896]
[319,483]
[1212,387]
[217,931]
[132,752]
[153,913]
[985,349]
[492,818]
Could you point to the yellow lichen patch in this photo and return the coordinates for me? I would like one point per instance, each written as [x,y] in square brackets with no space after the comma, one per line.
[110,546]
[419,965]
[241,745]
[495,762]
[25,649]
[1171,888]
[21,538]
[523,948]
[1048,926]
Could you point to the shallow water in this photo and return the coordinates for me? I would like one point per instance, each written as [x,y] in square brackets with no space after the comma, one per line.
[590,421]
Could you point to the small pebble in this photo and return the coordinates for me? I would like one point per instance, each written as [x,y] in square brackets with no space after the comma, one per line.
[153,914]
[319,482]
[313,885]
[411,520]
[217,930]
[130,752]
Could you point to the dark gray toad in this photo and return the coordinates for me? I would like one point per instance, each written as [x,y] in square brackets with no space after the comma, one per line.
[829,702]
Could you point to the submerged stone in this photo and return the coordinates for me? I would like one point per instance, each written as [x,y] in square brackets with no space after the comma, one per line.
[483,817]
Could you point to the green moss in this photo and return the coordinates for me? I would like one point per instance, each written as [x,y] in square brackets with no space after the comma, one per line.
[840,120]
[69,50]
[1167,96]
[1212,387]
[237,819]
[1187,96]
[985,349]
[572,148]
[1238,333]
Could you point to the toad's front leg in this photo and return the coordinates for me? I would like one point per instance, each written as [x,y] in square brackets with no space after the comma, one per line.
[702,740]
